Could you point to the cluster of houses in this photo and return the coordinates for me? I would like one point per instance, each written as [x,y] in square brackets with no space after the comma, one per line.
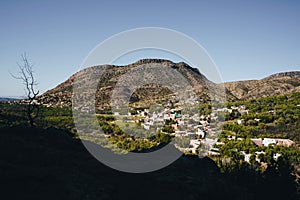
[258,142]
[241,109]
[197,128]
[247,156]
[272,141]
[196,132]
[267,142]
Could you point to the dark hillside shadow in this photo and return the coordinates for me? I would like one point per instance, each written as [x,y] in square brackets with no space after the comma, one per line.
[50,164]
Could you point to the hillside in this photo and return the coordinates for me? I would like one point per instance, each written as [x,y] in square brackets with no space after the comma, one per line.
[50,164]
[61,95]
[37,161]
[277,84]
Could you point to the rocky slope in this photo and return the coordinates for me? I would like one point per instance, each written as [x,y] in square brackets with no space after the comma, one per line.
[108,76]
[276,84]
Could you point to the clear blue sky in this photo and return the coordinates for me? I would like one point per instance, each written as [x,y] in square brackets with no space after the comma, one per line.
[246,39]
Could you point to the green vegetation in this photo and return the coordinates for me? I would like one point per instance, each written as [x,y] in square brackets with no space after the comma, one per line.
[15,115]
[277,116]
[36,162]
[271,117]
[274,117]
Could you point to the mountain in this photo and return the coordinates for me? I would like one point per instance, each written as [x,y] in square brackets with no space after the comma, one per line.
[107,77]
[276,84]
[8,99]
[283,74]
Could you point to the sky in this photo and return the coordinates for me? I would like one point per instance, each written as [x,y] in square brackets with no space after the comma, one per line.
[245,39]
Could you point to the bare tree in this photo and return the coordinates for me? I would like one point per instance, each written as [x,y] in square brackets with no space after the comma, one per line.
[26,74]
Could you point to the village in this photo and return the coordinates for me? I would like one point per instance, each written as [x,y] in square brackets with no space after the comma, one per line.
[195,130]
[191,131]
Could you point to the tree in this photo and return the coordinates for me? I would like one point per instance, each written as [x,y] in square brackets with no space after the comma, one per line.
[26,74]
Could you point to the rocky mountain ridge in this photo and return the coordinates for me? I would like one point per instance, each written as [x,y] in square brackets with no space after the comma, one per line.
[276,84]
[283,74]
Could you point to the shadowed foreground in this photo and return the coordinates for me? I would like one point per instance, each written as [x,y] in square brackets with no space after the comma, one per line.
[50,164]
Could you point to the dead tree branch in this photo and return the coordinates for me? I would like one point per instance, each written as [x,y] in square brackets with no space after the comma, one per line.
[26,74]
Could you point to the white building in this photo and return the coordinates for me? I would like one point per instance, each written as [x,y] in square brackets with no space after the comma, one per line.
[147,126]
[200,133]
[240,121]
[268,141]
[116,113]
[247,156]
[276,156]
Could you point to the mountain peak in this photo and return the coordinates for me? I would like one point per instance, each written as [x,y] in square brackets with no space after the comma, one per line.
[167,63]
[108,79]
[153,60]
